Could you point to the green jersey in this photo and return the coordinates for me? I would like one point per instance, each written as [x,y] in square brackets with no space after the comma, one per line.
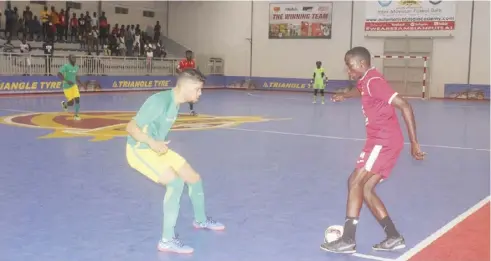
[69,72]
[318,75]
[156,117]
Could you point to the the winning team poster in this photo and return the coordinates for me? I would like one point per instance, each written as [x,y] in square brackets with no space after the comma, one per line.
[300,20]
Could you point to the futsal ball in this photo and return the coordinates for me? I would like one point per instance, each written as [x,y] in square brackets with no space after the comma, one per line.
[333,233]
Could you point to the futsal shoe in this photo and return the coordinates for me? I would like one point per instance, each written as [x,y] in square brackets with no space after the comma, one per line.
[390,244]
[175,246]
[340,246]
[193,113]
[209,224]
[77,118]
[64,106]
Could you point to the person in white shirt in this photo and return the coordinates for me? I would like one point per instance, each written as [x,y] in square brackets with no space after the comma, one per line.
[25,49]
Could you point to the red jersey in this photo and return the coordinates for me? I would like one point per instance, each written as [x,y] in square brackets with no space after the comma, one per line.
[186,64]
[382,125]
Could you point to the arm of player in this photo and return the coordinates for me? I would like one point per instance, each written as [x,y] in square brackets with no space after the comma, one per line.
[408,115]
[137,134]
[353,92]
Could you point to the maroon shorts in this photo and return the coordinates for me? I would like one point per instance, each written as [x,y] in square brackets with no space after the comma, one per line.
[379,159]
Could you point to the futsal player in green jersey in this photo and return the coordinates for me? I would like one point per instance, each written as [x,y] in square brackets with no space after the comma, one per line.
[68,74]
[318,81]
[147,153]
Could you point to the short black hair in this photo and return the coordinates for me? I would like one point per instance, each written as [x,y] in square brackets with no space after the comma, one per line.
[360,53]
[189,51]
[192,74]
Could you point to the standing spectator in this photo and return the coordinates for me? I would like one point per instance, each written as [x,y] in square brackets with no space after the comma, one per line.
[45,21]
[35,29]
[55,20]
[156,32]
[63,26]
[73,27]
[88,21]
[103,28]
[25,50]
[11,20]
[188,63]
[49,49]
[27,15]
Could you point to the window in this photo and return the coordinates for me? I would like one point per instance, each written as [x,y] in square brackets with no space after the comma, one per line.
[73,5]
[121,10]
[148,14]
[39,2]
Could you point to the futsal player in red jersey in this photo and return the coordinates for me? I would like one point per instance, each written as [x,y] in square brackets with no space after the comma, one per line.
[188,63]
[379,156]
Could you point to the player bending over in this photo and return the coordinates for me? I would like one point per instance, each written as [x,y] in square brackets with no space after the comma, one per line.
[184,64]
[147,152]
[68,74]
[382,148]
[318,81]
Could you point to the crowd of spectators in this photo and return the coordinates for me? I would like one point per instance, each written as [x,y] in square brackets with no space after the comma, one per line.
[92,32]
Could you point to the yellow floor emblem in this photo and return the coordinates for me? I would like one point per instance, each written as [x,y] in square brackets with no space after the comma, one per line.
[105,125]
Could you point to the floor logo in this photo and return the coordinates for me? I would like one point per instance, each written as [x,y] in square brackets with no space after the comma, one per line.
[107,125]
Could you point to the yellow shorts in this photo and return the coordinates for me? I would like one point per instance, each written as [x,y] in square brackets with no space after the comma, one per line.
[151,164]
[71,93]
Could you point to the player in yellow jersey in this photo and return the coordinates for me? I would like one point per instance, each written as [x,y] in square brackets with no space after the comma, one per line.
[318,80]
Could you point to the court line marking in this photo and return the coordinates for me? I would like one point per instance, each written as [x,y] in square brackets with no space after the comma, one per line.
[347,138]
[305,99]
[372,257]
[443,230]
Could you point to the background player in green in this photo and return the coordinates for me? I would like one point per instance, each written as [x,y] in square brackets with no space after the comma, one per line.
[147,152]
[68,74]
[318,81]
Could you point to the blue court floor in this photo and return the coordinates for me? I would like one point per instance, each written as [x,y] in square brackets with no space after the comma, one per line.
[277,179]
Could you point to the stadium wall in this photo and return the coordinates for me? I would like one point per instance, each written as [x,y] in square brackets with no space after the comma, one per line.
[222,28]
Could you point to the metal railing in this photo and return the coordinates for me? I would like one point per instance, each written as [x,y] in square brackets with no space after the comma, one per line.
[37,65]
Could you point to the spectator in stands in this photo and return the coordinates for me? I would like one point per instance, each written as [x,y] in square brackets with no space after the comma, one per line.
[45,21]
[92,40]
[11,19]
[8,47]
[49,50]
[55,21]
[35,29]
[156,32]
[62,26]
[113,44]
[82,30]
[95,20]
[129,41]
[25,49]
[121,45]
[115,29]
[137,29]
[73,28]
[122,30]
[21,29]
[88,22]
[27,15]
[137,41]
[103,28]
[132,31]
[149,54]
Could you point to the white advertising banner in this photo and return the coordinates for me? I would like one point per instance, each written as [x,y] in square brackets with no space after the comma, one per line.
[300,20]
[405,15]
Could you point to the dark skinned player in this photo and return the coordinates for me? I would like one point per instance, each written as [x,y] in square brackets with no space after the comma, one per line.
[382,149]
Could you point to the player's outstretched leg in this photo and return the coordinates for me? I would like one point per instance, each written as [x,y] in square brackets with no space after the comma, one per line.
[197,196]
[315,95]
[347,243]
[394,240]
[322,95]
